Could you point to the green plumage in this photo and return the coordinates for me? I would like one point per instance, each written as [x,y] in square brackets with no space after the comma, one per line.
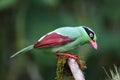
[23,50]
[80,35]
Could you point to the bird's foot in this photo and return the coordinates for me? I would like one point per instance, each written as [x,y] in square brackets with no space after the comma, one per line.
[68,55]
[60,55]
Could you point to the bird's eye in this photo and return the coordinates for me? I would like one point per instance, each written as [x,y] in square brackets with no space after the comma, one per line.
[91,35]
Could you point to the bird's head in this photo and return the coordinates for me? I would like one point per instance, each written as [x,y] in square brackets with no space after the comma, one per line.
[89,36]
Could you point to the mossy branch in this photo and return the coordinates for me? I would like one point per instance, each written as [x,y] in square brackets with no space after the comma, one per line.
[75,69]
[70,68]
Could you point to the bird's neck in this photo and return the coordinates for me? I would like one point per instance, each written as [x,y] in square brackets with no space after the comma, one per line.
[84,36]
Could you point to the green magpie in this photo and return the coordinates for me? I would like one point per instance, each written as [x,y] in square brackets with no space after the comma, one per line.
[64,39]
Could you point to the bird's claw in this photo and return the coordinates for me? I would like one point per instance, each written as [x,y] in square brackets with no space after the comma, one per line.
[68,55]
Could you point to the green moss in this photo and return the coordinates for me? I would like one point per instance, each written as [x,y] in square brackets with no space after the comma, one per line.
[63,71]
[60,68]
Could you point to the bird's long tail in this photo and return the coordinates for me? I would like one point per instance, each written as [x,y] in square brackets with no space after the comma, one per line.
[23,50]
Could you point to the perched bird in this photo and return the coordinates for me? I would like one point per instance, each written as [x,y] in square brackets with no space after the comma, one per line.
[64,39]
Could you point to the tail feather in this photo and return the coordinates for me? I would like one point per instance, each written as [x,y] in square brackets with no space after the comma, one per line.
[22,50]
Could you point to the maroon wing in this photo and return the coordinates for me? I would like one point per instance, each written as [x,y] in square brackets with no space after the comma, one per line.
[52,40]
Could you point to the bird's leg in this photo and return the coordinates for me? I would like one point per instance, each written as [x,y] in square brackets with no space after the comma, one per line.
[68,55]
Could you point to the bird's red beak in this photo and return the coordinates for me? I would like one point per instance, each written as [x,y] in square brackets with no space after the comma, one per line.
[94,44]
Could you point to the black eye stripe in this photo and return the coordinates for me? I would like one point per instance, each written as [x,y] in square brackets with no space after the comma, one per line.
[89,32]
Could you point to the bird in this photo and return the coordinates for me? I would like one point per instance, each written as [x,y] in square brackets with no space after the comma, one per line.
[64,39]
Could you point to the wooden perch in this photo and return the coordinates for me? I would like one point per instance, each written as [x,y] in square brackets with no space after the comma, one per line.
[75,69]
[70,68]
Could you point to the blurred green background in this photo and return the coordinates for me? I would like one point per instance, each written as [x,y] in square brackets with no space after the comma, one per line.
[23,22]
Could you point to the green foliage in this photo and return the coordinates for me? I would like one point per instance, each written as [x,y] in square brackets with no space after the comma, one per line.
[114,75]
[6,3]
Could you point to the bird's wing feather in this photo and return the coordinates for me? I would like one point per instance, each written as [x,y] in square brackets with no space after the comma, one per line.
[53,39]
